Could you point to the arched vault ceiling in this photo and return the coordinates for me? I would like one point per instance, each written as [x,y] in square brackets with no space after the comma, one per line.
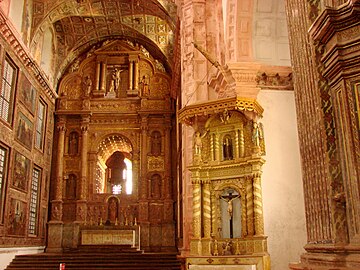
[77,23]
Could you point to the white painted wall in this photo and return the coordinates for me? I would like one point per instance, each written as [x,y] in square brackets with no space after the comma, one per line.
[16,13]
[283,200]
[8,254]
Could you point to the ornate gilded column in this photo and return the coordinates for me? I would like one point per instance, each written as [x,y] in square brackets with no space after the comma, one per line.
[237,144]
[196,208]
[206,209]
[167,156]
[103,76]
[143,186]
[61,128]
[215,210]
[241,142]
[212,147]
[97,77]
[131,74]
[136,75]
[81,207]
[249,206]
[258,207]
[217,148]
[84,157]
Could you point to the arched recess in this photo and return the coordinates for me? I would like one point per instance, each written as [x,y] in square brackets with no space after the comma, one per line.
[47,52]
[114,173]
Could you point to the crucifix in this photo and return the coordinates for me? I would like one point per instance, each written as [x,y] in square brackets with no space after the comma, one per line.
[229,200]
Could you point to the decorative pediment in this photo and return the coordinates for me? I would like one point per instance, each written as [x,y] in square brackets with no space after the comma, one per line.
[117,46]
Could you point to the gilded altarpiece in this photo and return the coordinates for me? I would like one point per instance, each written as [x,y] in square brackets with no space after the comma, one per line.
[113,162]
[228,149]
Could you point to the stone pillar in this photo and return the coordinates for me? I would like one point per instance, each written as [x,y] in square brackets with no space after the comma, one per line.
[249,207]
[55,229]
[206,209]
[258,206]
[323,58]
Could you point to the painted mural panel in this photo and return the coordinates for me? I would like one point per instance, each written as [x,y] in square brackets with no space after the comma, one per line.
[24,131]
[20,172]
[17,217]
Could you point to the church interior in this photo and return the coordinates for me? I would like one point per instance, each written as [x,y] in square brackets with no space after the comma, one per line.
[224,132]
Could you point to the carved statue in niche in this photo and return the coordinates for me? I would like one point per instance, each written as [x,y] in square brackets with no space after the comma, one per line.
[73,143]
[198,142]
[155,143]
[145,91]
[227,148]
[71,187]
[258,136]
[155,186]
[87,86]
[113,207]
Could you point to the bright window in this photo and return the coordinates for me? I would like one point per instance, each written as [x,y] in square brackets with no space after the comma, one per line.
[34,197]
[7,91]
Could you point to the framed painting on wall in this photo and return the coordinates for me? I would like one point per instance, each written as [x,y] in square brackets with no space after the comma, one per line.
[24,131]
[17,217]
[20,172]
[27,94]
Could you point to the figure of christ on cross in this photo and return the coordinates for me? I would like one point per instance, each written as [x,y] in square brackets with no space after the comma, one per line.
[229,200]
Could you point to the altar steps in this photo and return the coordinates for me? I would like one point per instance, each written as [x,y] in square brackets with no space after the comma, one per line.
[96,260]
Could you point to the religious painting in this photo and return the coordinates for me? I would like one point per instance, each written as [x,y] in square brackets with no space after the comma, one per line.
[24,131]
[27,94]
[21,171]
[17,218]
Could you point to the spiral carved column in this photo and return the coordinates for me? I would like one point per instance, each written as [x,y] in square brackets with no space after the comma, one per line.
[207,209]
[258,207]
[197,209]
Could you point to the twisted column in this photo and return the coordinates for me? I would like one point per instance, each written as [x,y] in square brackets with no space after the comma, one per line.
[258,207]
[217,148]
[207,209]
[241,142]
[236,143]
[249,207]
[197,209]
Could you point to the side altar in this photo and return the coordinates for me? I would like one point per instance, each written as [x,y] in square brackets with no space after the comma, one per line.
[227,212]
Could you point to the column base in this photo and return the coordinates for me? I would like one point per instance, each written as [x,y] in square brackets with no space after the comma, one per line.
[55,237]
[323,261]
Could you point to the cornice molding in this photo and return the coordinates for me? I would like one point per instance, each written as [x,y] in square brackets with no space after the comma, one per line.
[187,114]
